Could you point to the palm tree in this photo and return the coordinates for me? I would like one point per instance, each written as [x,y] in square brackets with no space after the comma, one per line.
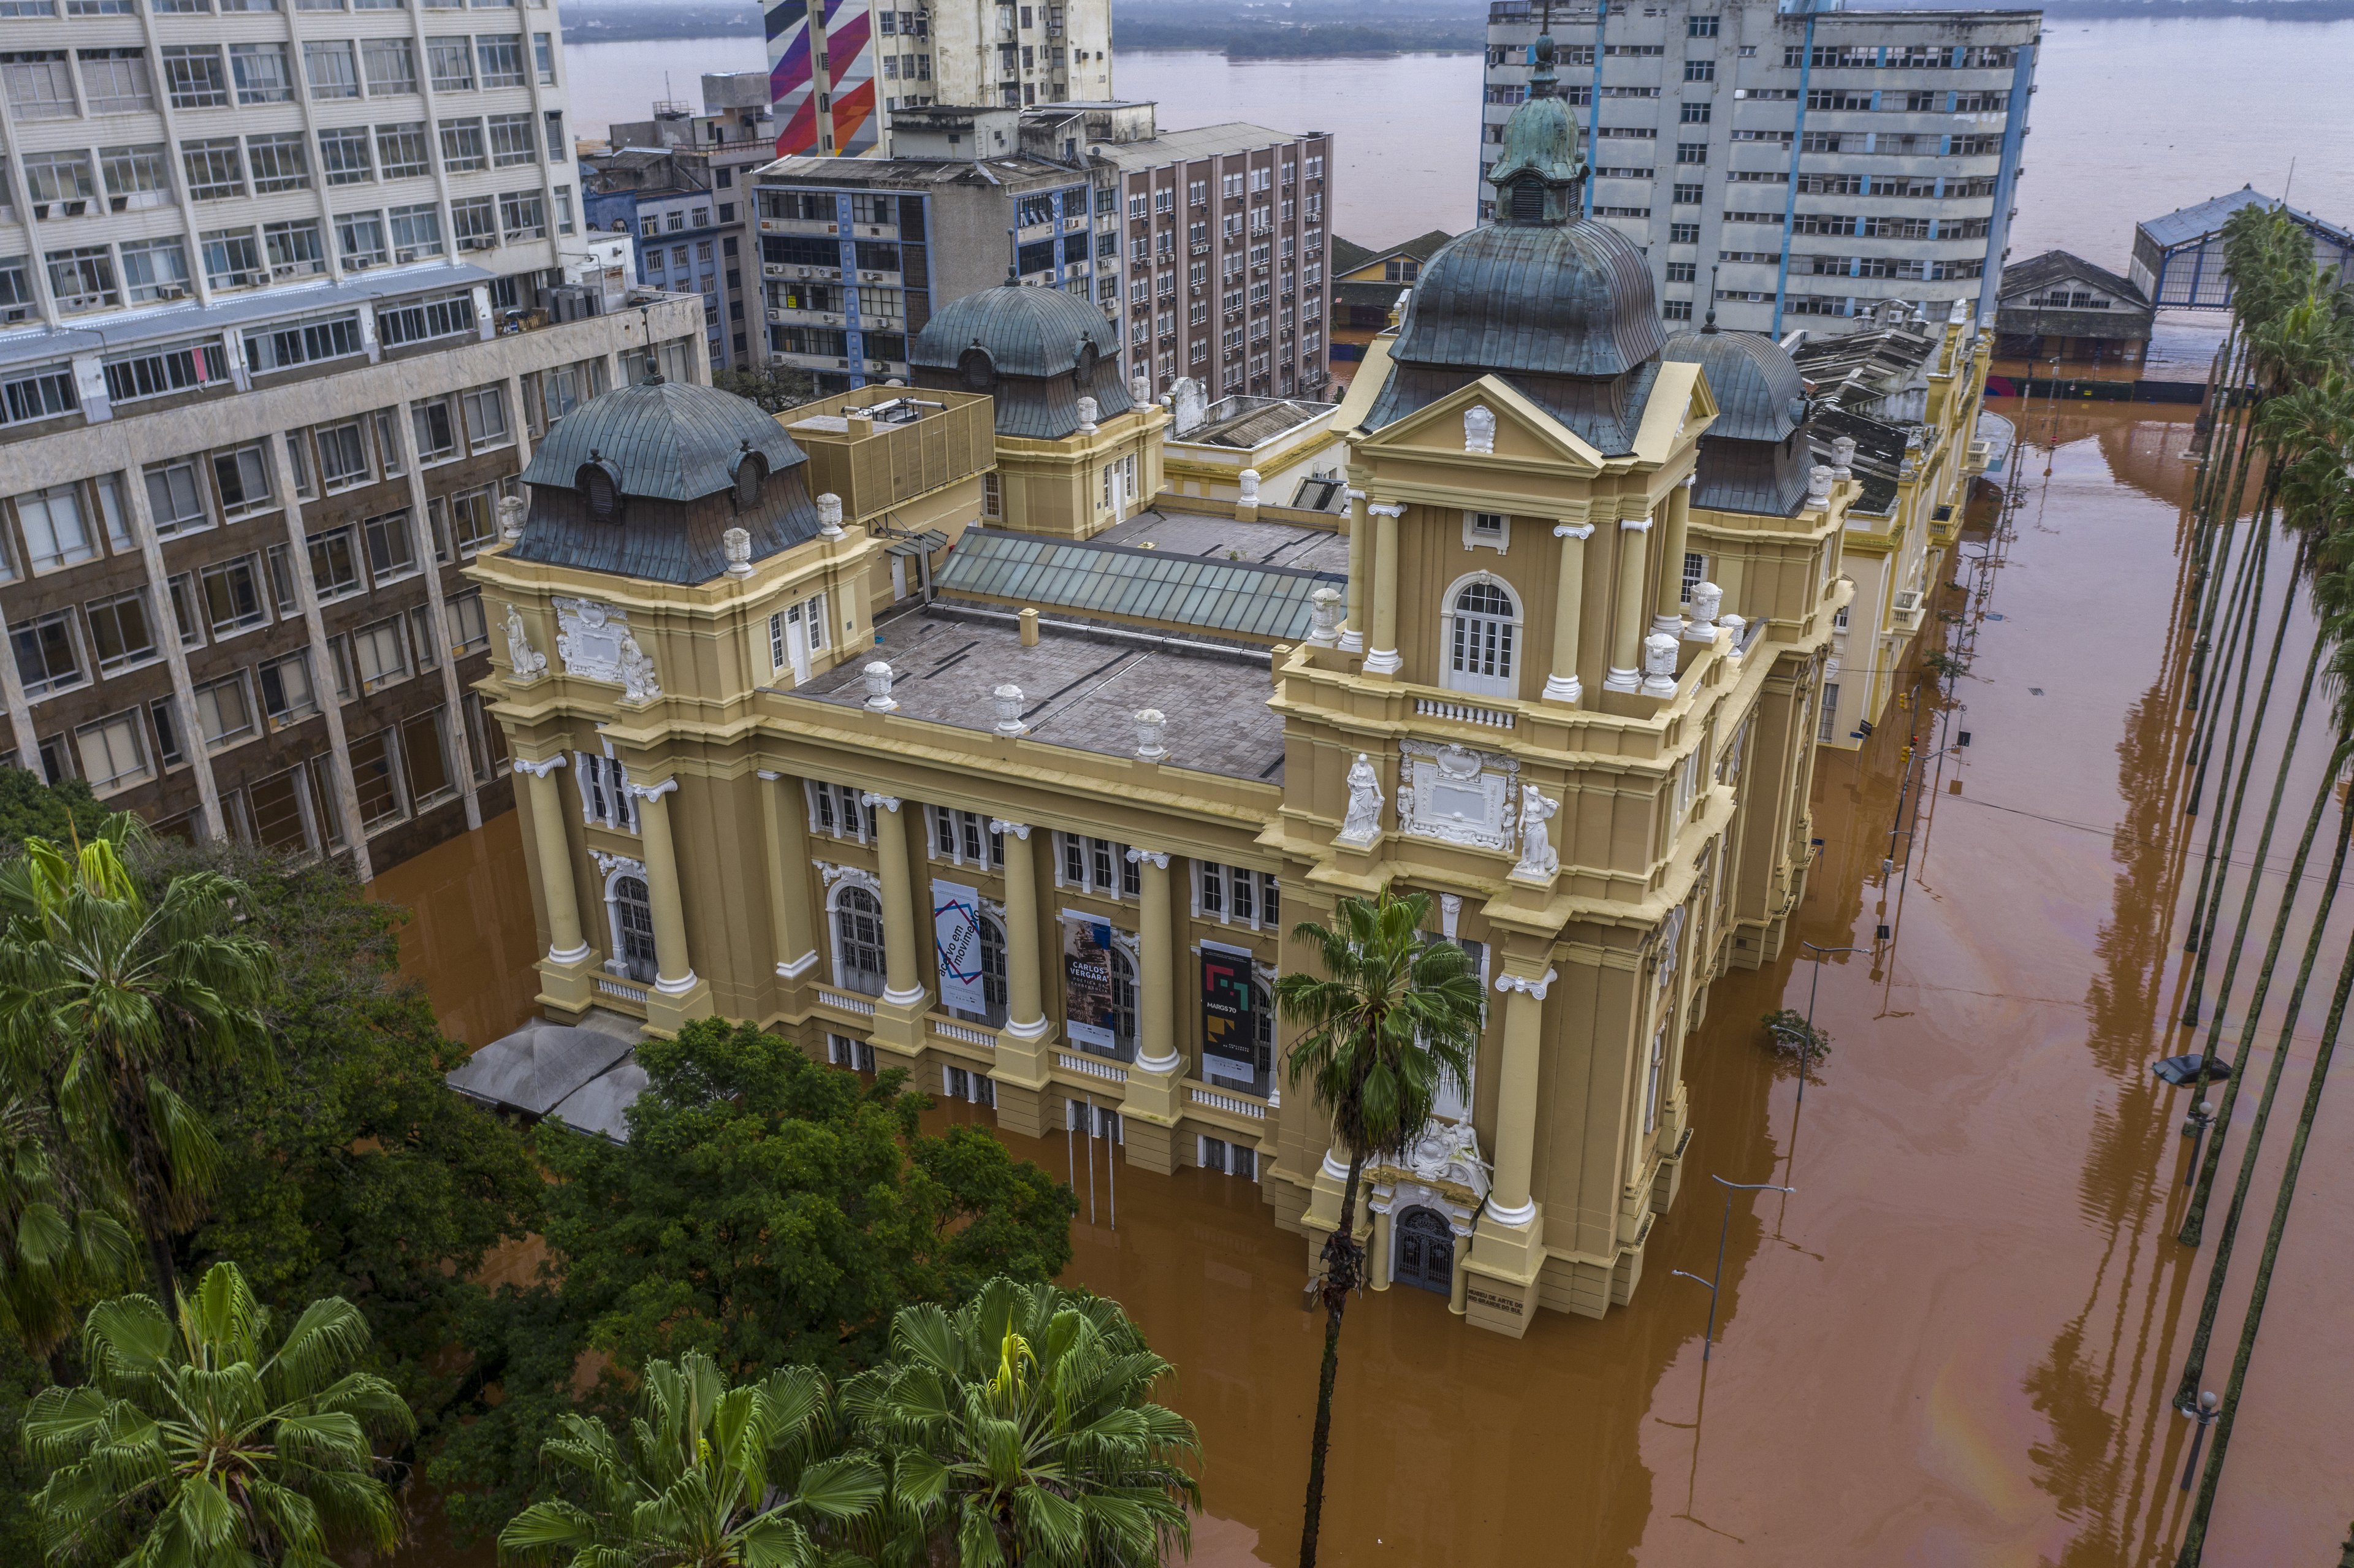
[1019,1429]
[199,1442]
[1392,1019]
[61,1242]
[712,1477]
[125,1003]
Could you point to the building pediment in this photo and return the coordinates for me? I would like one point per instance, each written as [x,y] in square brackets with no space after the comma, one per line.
[1680,408]
[1485,421]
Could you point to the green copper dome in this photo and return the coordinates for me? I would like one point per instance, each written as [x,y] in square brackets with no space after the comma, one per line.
[1036,352]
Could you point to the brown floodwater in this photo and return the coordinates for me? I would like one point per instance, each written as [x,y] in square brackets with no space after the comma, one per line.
[1954,1343]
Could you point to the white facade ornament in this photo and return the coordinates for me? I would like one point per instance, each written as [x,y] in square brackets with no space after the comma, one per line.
[737,542]
[1671,939]
[594,641]
[652,791]
[608,864]
[1019,830]
[1635,524]
[1007,701]
[1363,825]
[1536,988]
[525,663]
[1088,409]
[888,802]
[1386,508]
[639,683]
[540,769]
[1658,666]
[1189,406]
[1707,600]
[878,687]
[1151,733]
[1248,481]
[1538,859]
[1960,315]
[1479,429]
[1139,390]
[1818,487]
[512,509]
[1450,1151]
[1157,858]
[1581,532]
[1456,794]
[1324,618]
[1450,911]
[1739,628]
[1843,458]
[829,515]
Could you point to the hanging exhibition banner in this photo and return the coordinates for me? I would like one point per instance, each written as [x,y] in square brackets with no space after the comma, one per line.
[1229,1021]
[1086,982]
[956,935]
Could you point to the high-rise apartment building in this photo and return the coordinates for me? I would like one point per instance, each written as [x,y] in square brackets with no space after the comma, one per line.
[837,71]
[1208,249]
[288,295]
[1805,164]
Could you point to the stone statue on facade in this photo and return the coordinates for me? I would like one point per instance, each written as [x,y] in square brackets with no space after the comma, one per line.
[525,663]
[511,513]
[639,684]
[1538,859]
[1363,825]
[1450,1151]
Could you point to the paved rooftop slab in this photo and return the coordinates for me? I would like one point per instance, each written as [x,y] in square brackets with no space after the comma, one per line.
[1223,538]
[1082,686]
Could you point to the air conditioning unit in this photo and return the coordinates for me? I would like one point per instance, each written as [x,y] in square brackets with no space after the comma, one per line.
[283,269]
[41,209]
[117,204]
[406,253]
[361,264]
[478,242]
[171,291]
[74,208]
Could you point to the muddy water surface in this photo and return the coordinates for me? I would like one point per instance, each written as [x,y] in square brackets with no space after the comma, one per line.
[1954,1343]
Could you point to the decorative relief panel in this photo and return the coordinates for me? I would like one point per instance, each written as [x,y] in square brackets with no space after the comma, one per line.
[595,643]
[1457,795]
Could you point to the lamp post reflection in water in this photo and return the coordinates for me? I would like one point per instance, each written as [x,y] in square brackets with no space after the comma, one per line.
[1708,1342]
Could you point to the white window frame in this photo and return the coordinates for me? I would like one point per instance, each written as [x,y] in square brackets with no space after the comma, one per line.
[1488,531]
[1505,685]
[831,805]
[605,798]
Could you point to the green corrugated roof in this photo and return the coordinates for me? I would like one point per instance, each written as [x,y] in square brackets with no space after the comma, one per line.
[1236,598]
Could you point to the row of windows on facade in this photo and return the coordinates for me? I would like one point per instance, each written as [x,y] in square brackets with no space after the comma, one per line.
[58,84]
[86,278]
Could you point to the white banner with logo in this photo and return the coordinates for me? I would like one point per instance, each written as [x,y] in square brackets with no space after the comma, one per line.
[956,933]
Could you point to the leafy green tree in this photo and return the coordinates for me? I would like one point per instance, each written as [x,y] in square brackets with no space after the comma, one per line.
[63,812]
[709,1476]
[61,1242]
[130,1003]
[1020,1428]
[1392,1018]
[209,1441]
[768,1210]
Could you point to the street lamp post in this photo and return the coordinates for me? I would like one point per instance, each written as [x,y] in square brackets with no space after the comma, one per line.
[2194,1128]
[1806,1046]
[1708,1342]
[2203,1417]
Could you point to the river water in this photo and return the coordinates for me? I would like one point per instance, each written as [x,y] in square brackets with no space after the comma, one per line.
[1954,1344]
[2132,117]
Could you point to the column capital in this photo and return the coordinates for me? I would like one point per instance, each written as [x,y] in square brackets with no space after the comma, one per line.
[768,776]
[1019,830]
[1581,532]
[654,791]
[1351,493]
[888,802]
[543,767]
[1635,524]
[1387,508]
[1536,988]
[1157,858]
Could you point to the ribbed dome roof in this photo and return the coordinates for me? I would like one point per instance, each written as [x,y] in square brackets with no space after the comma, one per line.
[1572,299]
[670,440]
[1760,396]
[1024,330]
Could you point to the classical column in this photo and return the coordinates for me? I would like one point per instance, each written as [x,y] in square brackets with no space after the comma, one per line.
[902,983]
[789,866]
[1352,638]
[1156,1043]
[565,943]
[1377,1262]
[1025,1010]
[1383,660]
[1626,634]
[1562,686]
[1668,610]
[1508,1200]
[673,974]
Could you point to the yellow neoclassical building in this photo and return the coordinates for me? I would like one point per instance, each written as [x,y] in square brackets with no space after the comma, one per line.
[1035,829]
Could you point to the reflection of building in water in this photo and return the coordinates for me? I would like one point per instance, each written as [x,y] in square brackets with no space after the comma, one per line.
[1513,679]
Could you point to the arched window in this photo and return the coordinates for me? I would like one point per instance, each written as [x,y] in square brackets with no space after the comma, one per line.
[633,927]
[1123,1005]
[1484,628]
[978,371]
[858,941]
[751,472]
[599,492]
[992,970]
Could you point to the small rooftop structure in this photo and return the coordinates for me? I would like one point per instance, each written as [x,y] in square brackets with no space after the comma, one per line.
[1214,595]
[2058,300]
[2177,259]
[1082,686]
[1036,351]
[1747,461]
[538,1066]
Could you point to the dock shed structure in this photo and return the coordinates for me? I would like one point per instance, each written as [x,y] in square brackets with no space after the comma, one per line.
[2177,259]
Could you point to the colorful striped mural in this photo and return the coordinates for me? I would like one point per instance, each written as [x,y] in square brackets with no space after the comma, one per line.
[791,77]
[845,33]
[850,62]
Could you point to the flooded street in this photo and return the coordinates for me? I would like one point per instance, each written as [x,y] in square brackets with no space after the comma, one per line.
[1956,1342]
